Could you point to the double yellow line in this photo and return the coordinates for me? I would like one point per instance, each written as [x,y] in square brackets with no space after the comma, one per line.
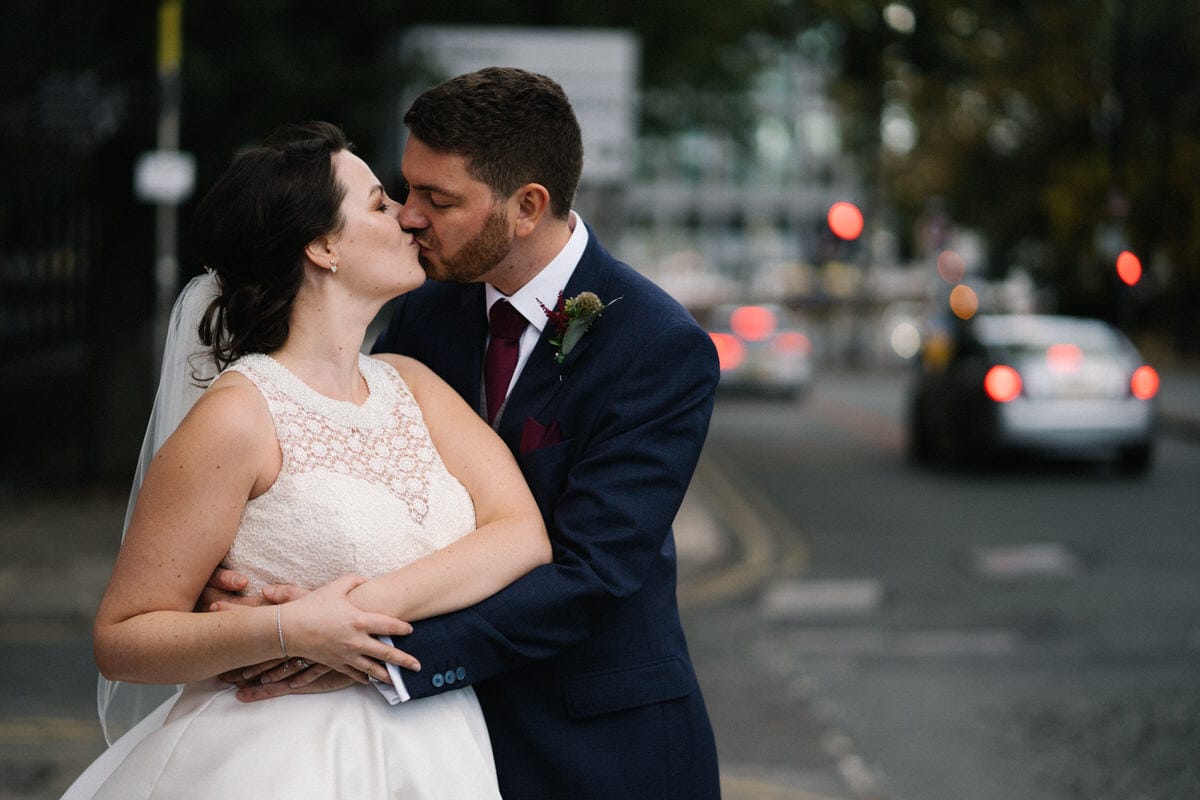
[767,544]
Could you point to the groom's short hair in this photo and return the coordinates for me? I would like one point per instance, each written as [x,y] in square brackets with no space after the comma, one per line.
[513,127]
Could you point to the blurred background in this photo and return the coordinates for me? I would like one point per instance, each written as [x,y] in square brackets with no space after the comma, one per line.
[835,188]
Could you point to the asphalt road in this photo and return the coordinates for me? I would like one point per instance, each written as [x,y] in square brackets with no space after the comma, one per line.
[1029,631]
[862,628]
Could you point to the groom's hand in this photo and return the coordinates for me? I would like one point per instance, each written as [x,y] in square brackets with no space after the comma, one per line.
[295,672]
[329,681]
[224,588]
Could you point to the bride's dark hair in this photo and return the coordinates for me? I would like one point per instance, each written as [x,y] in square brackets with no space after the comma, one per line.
[252,227]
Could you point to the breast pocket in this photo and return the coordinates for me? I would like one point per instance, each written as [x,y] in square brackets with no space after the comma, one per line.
[546,470]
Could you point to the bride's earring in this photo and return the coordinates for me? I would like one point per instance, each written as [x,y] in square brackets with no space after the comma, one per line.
[333,266]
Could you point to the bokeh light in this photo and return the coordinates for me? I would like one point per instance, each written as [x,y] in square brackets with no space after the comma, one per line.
[1129,268]
[906,340]
[1145,382]
[790,342]
[951,266]
[963,301]
[730,350]
[1065,357]
[900,17]
[897,129]
[845,220]
[1002,383]
[752,323]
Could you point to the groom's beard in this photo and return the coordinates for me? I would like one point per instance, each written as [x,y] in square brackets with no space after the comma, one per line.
[477,257]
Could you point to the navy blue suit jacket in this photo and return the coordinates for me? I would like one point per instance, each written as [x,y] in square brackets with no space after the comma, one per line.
[581,666]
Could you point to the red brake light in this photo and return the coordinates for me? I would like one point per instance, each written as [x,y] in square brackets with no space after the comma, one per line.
[1064,357]
[752,323]
[1144,383]
[791,342]
[730,350]
[1002,383]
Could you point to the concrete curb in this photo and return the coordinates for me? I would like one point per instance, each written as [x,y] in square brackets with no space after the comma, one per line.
[759,541]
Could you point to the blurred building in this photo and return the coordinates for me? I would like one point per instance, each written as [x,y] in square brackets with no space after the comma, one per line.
[713,216]
[717,220]
[597,68]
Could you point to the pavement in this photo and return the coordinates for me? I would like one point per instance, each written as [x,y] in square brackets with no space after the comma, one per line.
[57,546]
[56,551]
[1179,401]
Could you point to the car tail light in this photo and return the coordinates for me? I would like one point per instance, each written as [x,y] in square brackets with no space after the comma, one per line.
[1002,383]
[752,323]
[1064,358]
[790,343]
[1144,383]
[730,350]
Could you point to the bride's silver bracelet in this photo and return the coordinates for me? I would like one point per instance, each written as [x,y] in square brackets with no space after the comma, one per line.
[279,629]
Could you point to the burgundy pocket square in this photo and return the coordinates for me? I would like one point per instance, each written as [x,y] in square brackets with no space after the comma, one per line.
[535,435]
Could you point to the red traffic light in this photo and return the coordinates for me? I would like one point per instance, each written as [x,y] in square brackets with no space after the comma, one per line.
[845,220]
[1129,268]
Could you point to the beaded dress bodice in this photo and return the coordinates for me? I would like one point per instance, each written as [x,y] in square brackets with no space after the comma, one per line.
[361,489]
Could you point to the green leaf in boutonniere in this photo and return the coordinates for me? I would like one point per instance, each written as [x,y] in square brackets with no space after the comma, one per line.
[571,320]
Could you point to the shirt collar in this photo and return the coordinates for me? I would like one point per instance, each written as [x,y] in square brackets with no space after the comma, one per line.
[552,279]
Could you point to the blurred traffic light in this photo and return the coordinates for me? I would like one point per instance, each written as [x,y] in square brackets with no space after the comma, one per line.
[1129,268]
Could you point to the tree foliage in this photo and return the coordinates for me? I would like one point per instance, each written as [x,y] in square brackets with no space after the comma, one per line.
[1055,127]
[1061,129]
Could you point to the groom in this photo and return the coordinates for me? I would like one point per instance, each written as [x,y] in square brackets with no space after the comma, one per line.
[581,666]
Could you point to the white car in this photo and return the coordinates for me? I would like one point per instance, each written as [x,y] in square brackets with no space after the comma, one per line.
[1034,383]
[762,349]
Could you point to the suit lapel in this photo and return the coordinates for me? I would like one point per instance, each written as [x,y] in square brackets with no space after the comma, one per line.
[462,331]
[543,377]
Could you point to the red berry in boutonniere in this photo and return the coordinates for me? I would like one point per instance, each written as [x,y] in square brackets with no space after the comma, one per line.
[572,318]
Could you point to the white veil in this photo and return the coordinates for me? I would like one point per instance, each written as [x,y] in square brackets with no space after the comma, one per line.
[185,359]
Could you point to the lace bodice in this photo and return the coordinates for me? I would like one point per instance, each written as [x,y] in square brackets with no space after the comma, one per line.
[362,488]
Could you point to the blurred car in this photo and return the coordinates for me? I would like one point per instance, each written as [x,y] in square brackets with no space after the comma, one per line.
[762,349]
[1045,384]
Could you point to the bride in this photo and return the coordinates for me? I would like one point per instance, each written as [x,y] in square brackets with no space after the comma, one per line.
[305,461]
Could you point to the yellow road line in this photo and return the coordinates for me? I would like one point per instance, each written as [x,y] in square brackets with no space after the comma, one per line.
[736,788]
[767,541]
[44,730]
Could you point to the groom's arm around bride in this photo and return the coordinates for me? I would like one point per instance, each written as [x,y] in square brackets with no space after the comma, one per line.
[581,666]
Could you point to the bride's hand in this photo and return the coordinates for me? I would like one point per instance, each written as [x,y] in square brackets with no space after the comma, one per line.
[324,627]
[330,681]
[276,668]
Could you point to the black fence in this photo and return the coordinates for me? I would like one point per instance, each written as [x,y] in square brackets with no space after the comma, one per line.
[76,285]
[46,259]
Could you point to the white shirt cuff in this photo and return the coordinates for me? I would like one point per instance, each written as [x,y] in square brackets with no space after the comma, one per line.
[395,692]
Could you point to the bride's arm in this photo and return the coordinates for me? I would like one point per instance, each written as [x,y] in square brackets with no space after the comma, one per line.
[185,519]
[510,537]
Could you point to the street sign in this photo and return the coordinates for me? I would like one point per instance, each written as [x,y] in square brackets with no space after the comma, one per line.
[597,68]
[165,177]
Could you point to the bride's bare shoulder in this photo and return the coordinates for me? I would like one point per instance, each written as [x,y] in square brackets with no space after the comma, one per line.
[232,406]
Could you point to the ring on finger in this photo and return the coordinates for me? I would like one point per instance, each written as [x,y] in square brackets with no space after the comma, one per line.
[301,663]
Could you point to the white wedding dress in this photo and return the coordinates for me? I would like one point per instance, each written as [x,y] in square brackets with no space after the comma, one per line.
[362,490]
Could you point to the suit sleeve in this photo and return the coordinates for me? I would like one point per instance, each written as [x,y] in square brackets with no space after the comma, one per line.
[612,510]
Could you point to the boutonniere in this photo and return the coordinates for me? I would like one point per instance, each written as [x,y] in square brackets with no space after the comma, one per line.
[571,319]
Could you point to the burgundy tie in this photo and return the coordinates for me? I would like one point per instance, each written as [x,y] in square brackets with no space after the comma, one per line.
[507,325]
